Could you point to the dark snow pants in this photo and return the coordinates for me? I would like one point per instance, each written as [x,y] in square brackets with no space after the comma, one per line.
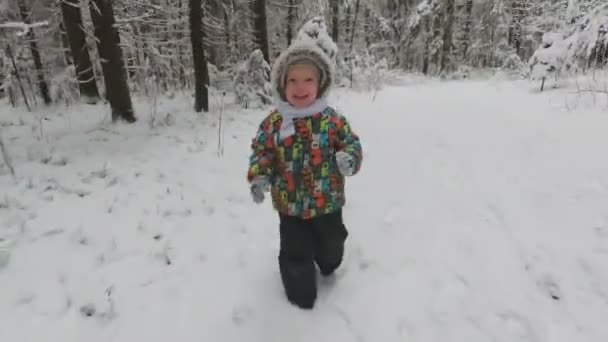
[303,243]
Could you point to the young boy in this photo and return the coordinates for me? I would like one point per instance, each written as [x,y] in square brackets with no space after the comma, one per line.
[301,154]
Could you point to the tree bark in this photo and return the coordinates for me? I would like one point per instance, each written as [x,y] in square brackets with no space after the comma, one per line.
[467,29]
[216,48]
[518,13]
[260,27]
[72,22]
[291,18]
[9,54]
[446,56]
[112,64]
[335,19]
[353,29]
[42,84]
[65,45]
[201,73]
[427,44]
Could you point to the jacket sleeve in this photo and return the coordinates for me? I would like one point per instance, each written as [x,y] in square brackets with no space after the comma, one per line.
[263,152]
[348,141]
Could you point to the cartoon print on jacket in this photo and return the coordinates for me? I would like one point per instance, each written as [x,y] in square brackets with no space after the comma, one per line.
[305,180]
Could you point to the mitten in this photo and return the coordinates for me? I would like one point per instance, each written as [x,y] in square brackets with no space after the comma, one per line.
[259,186]
[346,163]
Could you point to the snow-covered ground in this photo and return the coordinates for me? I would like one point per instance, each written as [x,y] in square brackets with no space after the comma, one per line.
[480,214]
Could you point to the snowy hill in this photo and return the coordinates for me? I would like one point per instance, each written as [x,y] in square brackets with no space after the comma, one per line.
[480,214]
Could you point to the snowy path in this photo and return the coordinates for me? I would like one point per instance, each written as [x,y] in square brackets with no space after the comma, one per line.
[480,214]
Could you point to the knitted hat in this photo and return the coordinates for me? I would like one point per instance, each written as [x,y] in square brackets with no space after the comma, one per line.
[302,53]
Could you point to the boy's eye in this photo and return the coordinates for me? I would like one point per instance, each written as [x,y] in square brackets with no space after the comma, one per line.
[309,80]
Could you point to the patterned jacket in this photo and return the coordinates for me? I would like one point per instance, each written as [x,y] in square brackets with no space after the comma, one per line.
[302,168]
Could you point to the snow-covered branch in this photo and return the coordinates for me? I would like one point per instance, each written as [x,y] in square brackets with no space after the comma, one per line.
[25,28]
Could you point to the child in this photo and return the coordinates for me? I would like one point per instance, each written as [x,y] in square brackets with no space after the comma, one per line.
[301,153]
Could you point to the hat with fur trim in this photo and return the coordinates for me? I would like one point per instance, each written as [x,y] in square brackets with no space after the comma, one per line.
[302,53]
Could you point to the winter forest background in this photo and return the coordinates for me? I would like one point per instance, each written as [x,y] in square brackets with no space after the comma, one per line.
[480,212]
[52,50]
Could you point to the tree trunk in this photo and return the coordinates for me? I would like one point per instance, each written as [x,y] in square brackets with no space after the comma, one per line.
[353,29]
[600,49]
[518,12]
[436,52]
[291,18]
[42,85]
[9,54]
[216,49]
[230,40]
[367,20]
[467,29]
[65,46]
[427,45]
[201,74]
[335,19]
[72,22]
[446,56]
[112,64]
[260,27]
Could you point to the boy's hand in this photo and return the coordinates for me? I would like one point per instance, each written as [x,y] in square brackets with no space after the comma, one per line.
[346,163]
[259,186]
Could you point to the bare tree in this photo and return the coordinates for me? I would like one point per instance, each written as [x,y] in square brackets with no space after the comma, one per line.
[114,73]
[72,22]
[291,18]
[467,28]
[260,27]
[42,84]
[335,19]
[9,54]
[516,29]
[353,29]
[446,63]
[201,74]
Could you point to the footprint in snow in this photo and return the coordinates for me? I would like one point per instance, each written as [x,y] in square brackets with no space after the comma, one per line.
[518,327]
[54,160]
[241,314]
[209,210]
[601,232]
[457,286]
[549,286]
[239,228]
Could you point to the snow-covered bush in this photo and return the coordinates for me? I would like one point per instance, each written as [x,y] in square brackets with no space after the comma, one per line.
[548,60]
[64,86]
[582,45]
[462,72]
[366,72]
[221,80]
[252,81]
[315,31]
[513,65]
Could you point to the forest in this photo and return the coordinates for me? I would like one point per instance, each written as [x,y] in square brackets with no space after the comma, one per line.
[86,50]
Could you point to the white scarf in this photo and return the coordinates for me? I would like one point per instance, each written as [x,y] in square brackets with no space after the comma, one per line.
[290,114]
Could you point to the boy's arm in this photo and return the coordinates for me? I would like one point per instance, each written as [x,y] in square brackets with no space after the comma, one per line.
[261,161]
[348,141]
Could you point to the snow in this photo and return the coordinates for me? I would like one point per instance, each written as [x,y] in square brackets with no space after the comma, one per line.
[480,214]
[313,32]
[25,28]
[427,7]
[570,49]
[549,57]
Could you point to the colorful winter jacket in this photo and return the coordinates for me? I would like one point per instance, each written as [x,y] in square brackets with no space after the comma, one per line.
[302,168]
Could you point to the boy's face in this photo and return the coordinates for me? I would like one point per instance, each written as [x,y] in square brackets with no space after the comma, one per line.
[301,85]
